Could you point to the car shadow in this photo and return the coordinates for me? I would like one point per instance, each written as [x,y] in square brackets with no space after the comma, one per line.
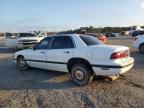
[13,79]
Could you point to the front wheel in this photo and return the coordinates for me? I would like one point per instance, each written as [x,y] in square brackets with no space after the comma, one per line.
[81,74]
[141,49]
[21,64]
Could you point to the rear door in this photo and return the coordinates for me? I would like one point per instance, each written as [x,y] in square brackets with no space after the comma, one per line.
[61,50]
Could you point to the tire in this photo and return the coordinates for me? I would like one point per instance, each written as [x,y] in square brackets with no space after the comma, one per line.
[141,49]
[81,74]
[21,64]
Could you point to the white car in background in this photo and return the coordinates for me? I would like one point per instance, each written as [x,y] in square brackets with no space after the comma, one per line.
[82,56]
[138,42]
[23,40]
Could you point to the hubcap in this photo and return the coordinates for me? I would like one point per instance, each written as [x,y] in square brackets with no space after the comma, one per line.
[22,63]
[79,75]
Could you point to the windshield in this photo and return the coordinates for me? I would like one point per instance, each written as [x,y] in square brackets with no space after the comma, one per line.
[10,36]
[42,34]
[90,40]
[26,35]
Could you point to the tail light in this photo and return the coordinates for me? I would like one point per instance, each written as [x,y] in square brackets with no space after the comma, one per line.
[118,55]
[134,39]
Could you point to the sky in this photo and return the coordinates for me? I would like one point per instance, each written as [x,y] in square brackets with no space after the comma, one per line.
[57,15]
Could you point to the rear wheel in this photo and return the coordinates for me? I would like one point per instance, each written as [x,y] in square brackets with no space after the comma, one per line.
[142,49]
[21,63]
[81,74]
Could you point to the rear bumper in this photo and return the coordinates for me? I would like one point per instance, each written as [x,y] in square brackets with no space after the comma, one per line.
[111,70]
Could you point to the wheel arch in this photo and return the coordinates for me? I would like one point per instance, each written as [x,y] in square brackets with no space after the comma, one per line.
[72,61]
[18,56]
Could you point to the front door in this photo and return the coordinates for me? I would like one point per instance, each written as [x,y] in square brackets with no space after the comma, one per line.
[37,56]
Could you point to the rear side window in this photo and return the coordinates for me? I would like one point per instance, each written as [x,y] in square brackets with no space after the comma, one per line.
[62,42]
[90,40]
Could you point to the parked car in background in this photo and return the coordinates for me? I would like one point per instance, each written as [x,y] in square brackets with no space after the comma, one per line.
[22,40]
[138,42]
[136,33]
[81,56]
[111,35]
[99,36]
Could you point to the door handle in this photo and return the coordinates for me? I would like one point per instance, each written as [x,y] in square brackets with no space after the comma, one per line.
[42,52]
[67,52]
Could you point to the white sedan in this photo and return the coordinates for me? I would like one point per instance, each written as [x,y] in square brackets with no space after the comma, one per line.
[82,56]
[138,42]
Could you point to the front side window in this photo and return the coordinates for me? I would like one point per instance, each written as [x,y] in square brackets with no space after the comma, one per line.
[43,44]
[62,42]
[90,40]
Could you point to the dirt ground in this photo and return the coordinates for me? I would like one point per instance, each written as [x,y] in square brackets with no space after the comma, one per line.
[38,88]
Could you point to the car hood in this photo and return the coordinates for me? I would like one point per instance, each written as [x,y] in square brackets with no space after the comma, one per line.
[28,38]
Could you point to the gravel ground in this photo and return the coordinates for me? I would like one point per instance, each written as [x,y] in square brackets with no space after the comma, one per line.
[37,88]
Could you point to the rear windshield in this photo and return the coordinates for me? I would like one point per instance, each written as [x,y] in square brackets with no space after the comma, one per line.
[90,40]
[26,35]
